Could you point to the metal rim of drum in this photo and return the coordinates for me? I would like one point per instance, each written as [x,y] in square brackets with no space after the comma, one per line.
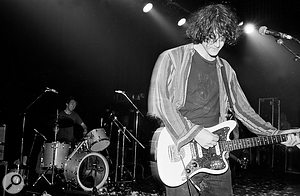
[99,139]
[105,175]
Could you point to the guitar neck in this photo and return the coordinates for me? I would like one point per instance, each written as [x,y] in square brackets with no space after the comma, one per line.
[252,142]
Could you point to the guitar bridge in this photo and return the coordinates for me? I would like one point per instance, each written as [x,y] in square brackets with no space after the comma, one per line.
[217,165]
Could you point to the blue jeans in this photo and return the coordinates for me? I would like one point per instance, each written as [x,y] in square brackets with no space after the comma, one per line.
[210,185]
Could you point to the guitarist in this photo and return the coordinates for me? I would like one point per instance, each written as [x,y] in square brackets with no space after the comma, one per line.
[187,93]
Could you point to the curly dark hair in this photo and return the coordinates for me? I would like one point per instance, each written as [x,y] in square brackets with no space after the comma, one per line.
[210,20]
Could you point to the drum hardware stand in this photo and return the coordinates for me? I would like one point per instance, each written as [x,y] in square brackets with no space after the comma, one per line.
[136,125]
[94,190]
[52,168]
[53,157]
[31,148]
[76,149]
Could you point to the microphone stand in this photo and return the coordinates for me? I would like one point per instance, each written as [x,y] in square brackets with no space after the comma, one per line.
[23,124]
[124,130]
[296,56]
[55,147]
[137,112]
[119,125]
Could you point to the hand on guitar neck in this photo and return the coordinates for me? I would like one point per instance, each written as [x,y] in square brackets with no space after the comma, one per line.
[293,138]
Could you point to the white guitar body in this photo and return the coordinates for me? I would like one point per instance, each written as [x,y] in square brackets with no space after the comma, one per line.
[173,165]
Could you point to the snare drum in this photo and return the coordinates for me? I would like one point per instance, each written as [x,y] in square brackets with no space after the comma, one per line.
[60,152]
[97,140]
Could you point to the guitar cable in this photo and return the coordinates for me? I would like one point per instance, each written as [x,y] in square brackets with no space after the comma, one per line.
[189,179]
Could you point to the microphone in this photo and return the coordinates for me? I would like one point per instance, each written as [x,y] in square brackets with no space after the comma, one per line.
[119,91]
[263,30]
[51,90]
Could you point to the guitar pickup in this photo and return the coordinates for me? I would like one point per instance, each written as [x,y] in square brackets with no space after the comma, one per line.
[174,155]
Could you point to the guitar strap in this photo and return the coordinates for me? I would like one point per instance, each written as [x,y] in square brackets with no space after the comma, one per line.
[231,115]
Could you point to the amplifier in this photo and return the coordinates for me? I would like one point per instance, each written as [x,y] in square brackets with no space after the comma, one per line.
[2,141]
[3,172]
[292,161]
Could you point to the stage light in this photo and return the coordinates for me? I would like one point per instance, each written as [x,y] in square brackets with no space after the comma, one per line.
[147,7]
[249,28]
[181,22]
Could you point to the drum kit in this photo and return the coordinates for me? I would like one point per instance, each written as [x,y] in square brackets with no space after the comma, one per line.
[85,167]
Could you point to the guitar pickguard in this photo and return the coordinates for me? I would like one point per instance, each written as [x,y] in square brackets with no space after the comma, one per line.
[210,158]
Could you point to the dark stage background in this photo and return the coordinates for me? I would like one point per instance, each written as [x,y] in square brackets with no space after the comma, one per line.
[90,48]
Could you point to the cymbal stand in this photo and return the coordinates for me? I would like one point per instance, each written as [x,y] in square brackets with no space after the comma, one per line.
[136,126]
[56,129]
[53,157]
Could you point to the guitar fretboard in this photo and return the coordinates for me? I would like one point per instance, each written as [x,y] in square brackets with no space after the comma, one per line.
[251,142]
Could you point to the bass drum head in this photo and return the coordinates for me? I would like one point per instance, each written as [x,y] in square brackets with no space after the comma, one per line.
[85,169]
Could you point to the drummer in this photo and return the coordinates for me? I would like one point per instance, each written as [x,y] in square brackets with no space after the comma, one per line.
[66,121]
[64,132]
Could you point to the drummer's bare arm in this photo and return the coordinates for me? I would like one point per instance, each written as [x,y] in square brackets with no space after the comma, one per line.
[84,128]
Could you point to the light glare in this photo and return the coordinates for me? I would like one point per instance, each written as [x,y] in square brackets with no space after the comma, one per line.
[181,22]
[241,24]
[249,28]
[147,7]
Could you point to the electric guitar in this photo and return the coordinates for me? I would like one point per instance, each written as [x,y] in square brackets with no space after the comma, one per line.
[176,167]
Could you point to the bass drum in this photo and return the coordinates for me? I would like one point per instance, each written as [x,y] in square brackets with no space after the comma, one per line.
[85,169]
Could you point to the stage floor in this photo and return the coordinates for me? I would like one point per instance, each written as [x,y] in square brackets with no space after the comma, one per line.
[248,182]
[266,183]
